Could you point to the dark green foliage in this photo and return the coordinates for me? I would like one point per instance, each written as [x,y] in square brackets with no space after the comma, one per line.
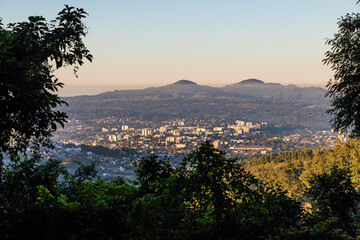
[86,172]
[334,208]
[207,196]
[212,186]
[151,169]
[36,204]
[29,53]
[211,196]
[333,194]
[344,89]
[19,182]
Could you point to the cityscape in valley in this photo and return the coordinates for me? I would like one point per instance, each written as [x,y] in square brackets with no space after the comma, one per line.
[116,143]
[116,140]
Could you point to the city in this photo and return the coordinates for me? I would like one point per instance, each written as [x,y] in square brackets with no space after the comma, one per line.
[115,143]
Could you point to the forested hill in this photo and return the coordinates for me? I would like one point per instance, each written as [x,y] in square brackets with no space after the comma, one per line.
[250,99]
[293,169]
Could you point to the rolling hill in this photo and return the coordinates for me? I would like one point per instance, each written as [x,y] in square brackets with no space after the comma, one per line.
[251,100]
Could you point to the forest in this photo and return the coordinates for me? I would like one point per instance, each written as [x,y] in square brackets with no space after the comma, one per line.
[206,196]
[293,170]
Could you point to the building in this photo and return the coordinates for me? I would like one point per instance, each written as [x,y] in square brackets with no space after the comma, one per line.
[112,138]
[145,132]
[217,129]
[240,123]
[170,139]
[175,132]
[216,144]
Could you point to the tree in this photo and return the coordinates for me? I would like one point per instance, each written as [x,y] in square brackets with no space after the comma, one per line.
[29,53]
[333,194]
[150,169]
[222,197]
[212,180]
[344,89]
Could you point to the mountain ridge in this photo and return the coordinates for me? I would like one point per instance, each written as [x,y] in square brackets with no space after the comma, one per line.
[251,81]
[184,82]
[244,83]
[272,103]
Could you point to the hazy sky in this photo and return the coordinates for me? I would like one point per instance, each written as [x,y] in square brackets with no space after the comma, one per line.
[139,43]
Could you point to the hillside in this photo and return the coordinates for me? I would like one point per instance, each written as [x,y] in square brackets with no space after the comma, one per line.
[251,100]
[292,170]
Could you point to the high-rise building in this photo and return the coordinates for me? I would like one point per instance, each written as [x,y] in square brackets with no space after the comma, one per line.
[112,138]
[145,132]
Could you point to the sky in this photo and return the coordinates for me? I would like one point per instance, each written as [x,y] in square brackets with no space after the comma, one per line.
[143,43]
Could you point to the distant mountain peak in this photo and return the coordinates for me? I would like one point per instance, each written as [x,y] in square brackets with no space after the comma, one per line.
[184,82]
[251,81]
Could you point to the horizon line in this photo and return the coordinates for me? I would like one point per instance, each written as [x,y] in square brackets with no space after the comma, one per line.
[73,90]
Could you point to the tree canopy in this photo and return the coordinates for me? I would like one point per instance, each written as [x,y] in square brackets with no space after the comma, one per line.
[344,60]
[29,53]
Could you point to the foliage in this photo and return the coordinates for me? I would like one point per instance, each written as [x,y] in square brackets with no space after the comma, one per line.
[29,54]
[344,89]
[206,196]
[292,170]
[151,169]
[20,181]
[86,172]
[334,208]
[329,177]
[333,194]
[210,195]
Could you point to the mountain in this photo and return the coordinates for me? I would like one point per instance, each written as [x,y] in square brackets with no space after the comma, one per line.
[277,92]
[251,81]
[184,82]
[251,100]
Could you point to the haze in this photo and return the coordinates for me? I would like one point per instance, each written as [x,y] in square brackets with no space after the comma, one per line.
[145,43]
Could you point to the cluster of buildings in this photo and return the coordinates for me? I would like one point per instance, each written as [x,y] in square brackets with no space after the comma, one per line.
[238,138]
[178,136]
[133,139]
